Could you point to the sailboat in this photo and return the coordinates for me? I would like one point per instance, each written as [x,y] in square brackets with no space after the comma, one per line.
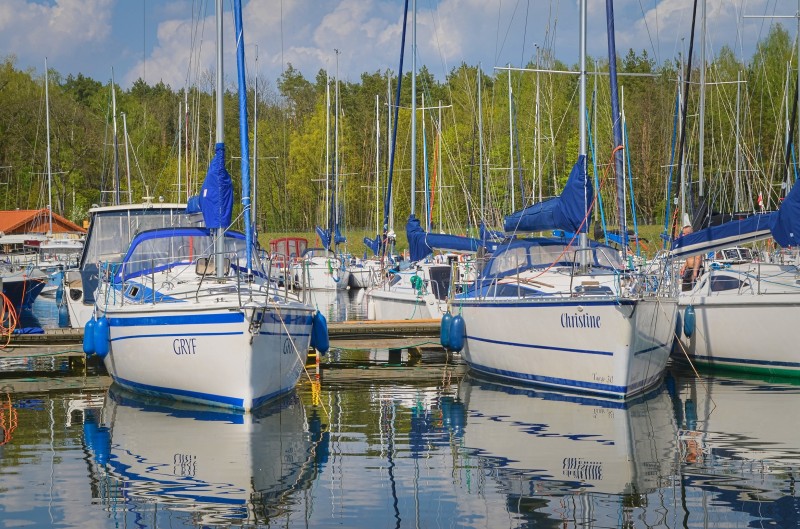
[189,312]
[740,313]
[551,312]
[322,268]
[422,289]
[738,289]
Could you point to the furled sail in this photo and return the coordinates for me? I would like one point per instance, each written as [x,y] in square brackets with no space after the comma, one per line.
[421,243]
[216,195]
[565,212]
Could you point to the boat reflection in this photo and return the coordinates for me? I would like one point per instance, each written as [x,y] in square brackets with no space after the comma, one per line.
[738,446]
[541,445]
[160,461]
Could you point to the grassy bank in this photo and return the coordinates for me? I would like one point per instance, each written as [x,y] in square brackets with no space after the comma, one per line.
[649,234]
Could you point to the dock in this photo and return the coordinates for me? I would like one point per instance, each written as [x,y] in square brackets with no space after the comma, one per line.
[354,334]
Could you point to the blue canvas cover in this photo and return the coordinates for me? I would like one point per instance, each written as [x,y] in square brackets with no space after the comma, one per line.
[216,195]
[785,225]
[373,244]
[487,234]
[422,243]
[325,237]
[749,229]
[565,212]
[193,204]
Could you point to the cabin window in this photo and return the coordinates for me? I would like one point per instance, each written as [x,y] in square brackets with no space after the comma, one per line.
[721,283]
[511,259]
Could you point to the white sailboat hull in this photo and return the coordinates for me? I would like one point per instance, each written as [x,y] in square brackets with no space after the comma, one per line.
[752,333]
[609,346]
[321,276]
[390,305]
[217,355]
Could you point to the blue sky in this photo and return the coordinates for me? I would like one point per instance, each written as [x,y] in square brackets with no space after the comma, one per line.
[153,38]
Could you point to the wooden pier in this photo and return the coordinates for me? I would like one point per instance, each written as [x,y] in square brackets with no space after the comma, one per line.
[391,334]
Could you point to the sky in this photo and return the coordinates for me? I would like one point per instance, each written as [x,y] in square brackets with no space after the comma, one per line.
[173,40]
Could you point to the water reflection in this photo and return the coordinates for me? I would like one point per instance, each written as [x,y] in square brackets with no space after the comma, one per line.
[340,305]
[387,444]
[739,445]
[158,462]
[540,445]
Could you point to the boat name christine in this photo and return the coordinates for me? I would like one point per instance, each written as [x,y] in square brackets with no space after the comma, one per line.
[580,321]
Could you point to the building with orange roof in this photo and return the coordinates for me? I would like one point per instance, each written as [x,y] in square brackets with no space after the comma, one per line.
[29,221]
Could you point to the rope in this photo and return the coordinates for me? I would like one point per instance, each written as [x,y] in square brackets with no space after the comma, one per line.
[299,357]
[8,319]
[8,422]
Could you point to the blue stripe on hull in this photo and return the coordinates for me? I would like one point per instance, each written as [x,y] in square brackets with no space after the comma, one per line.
[189,319]
[544,303]
[196,396]
[569,384]
[169,335]
[548,347]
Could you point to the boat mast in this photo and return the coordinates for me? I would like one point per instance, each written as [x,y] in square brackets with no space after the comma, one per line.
[47,119]
[377,163]
[413,106]
[335,206]
[127,156]
[511,140]
[480,139]
[255,147]
[616,118]
[328,153]
[393,126]
[244,136]
[180,146]
[116,140]
[584,237]
[702,125]
[219,243]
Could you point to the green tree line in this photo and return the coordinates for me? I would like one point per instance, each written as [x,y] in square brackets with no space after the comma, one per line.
[170,139]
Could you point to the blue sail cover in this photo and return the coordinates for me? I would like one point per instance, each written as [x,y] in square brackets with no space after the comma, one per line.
[782,225]
[785,225]
[749,229]
[216,195]
[325,237]
[487,234]
[422,243]
[373,244]
[566,212]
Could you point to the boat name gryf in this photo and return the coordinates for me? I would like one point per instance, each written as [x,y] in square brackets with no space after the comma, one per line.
[580,321]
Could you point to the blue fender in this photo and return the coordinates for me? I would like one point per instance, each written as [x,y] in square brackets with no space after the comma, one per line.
[678,325]
[444,329]
[319,333]
[101,337]
[88,336]
[688,321]
[457,333]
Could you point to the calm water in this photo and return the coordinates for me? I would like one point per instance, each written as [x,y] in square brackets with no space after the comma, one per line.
[419,443]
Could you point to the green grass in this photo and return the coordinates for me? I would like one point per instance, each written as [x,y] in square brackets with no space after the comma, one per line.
[650,235]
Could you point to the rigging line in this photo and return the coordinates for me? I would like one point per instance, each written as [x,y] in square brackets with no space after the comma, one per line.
[525,34]
[647,27]
[508,30]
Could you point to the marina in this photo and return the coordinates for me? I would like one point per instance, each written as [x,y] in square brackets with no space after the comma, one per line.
[585,319]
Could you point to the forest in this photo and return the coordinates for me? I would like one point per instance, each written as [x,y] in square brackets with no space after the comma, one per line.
[525,126]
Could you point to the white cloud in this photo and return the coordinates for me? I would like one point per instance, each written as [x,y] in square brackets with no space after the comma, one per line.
[58,30]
